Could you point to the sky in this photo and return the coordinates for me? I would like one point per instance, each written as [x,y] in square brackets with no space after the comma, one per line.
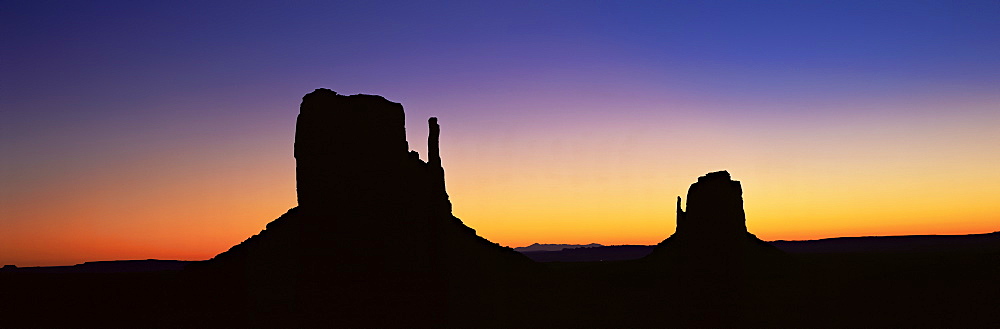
[164,129]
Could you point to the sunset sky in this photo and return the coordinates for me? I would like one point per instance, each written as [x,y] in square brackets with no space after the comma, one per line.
[164,129]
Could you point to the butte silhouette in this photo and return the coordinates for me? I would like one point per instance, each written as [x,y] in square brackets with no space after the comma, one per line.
[712,234]
[366,200]
[373,228]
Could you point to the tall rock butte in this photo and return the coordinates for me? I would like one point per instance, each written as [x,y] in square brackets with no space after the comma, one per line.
[367,204]
[373,242]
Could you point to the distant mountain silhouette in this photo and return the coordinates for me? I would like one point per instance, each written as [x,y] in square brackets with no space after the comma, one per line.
[112,266]
[554,247]
[591,254]
[868,244]
[903,243]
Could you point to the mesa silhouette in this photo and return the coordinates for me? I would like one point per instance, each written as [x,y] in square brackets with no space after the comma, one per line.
[366,202]
[373,226]
[712,236]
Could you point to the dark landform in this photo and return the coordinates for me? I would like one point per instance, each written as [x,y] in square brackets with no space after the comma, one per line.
[554,247]
[600,253]
[891,244]
[591,254]
[373,243]
[866,244]
[111,266]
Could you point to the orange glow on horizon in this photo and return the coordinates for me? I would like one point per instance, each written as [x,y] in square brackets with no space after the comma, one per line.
[612,184]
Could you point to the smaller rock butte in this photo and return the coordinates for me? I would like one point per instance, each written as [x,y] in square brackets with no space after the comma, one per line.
[713,232]
[714,209]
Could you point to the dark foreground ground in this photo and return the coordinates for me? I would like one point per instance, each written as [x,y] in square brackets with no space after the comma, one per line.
[932,289]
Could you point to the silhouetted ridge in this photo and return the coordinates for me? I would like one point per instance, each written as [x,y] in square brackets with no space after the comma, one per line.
[554,247]
[111,266]
[894,244]
[591,254]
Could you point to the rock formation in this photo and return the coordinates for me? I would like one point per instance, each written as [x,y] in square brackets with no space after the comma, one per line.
[373,220]
[347,148]
[713,232]
[715,210]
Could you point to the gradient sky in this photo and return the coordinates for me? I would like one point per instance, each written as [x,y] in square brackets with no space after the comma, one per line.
[164,129]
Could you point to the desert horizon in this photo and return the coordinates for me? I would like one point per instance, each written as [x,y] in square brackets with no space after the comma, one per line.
[142,130]
[500,164]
